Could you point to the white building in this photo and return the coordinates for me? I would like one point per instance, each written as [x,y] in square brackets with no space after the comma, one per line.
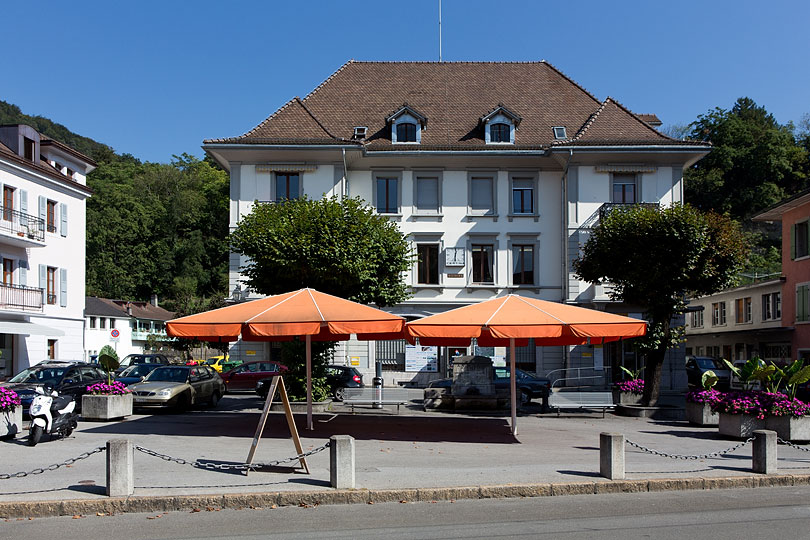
[495,172]
[42,245]
[124,326]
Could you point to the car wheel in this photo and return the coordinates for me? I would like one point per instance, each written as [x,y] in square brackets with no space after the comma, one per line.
[35,436]
[525,398]
[183,403]
[214,400]
[340,393]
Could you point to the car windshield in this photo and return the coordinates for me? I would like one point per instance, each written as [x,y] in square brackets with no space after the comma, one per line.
[710,363]
[168,374]
[141,370]
[40,375]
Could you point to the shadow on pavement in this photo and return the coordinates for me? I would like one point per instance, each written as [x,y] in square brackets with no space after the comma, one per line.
[361,427]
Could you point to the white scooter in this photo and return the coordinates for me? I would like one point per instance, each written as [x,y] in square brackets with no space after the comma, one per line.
[52,414]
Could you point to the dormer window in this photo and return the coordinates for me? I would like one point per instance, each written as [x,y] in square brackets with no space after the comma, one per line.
[500,132]
[29,148]
[407,125]
[406,132]
[559,133]
[500,125]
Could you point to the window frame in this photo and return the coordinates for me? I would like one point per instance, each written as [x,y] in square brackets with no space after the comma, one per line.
[406,118]
[719,314]
[482,240]
[8,202]
[277,175]
[519,176]
[409,128]
[802,311]
[636,187]
[743,310]
[433,245]
[427,175]
[388,175]
[696,319]
[50,280]
[796,237]
[523,239]
[502,130]
[8,271]
[50,215]
[492,176]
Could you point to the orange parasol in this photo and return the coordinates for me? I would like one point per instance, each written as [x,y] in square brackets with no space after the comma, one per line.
[306,312]
[512,320]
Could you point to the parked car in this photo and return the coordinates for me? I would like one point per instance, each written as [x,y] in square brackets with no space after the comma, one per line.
[132,359]
[696,366]
[136,373]
[178,387]
[67,378]
[221,363]
[245,376]
[339,378]
[528,385]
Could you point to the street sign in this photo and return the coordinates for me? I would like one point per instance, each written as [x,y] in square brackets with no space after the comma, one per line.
[115,333]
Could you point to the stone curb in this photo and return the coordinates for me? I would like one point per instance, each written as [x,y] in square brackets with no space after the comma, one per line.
[119,505]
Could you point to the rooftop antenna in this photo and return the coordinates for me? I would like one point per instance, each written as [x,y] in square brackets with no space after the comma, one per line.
[440,30]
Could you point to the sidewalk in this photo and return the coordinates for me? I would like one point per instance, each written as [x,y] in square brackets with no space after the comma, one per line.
[415,450]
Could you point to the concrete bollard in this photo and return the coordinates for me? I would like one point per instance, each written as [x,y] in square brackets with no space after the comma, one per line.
[764,452]
[341,461]
[611,455]
[120,468]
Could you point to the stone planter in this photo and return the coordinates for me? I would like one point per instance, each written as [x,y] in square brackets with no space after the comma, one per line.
[790,428]
[10,423]
[740,426]
[301,406]
[105,407]
[701,414]
[626,398]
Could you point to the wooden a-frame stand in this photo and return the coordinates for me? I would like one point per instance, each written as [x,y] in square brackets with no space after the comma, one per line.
[277,383]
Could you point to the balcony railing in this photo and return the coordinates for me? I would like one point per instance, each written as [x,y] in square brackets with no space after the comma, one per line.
[26,225]
[20,297]
[608,208]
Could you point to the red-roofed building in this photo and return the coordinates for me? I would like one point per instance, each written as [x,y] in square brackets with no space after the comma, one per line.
[495,171]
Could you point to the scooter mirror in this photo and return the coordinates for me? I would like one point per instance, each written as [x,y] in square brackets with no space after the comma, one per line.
[55,393]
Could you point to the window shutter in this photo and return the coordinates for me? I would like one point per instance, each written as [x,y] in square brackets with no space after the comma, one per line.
[43,282]
[63,287]
[42,210]
[63,229]
[23,273]
[23,201]
[481,194]
[427,194]
[792,241]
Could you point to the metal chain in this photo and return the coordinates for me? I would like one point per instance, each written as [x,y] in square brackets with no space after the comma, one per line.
[230,467]
[55,466]
[681,456]
[796,446]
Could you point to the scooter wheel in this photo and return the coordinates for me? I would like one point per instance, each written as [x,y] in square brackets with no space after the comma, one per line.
[35,436]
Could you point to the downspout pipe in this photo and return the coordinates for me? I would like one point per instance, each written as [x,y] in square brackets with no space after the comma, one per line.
[564,243]
[345,190]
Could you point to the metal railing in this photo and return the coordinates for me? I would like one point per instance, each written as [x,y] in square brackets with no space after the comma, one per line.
[581,377]
[20,297]
[608,208]
[25,225]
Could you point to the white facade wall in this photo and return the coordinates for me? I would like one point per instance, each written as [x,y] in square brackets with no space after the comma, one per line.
[63,249]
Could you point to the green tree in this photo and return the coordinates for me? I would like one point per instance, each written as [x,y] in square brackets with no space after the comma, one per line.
[340,247]
[755,161]
[653,257]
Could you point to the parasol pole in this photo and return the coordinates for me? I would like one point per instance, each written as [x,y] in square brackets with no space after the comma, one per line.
[513,384]
[309,382]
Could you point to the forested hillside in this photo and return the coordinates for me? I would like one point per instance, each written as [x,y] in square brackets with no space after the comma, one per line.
[151,227]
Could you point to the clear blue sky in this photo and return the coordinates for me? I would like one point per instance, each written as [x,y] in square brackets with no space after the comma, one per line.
[155,78]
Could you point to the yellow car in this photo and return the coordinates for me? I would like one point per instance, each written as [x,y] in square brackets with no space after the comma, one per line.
[220,363]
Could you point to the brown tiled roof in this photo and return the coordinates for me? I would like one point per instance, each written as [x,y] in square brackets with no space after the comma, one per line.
[118,308]
[651,119]
[613,124]
[453,96]
[42,166]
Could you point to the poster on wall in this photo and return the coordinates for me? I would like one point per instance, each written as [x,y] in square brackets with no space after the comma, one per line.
[421,358]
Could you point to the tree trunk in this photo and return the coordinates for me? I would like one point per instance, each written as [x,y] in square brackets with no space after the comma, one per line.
[652,377]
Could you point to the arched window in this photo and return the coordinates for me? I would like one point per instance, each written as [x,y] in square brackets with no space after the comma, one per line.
[406,132]
[499,132]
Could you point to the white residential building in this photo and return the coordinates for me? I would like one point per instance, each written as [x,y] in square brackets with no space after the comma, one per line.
[42,246]
[124,326]
[495,171]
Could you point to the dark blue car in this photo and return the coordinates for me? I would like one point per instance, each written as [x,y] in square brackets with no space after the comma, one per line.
[136,373]
[67,378]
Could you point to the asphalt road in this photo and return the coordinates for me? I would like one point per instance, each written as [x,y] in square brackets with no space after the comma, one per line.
[716,514]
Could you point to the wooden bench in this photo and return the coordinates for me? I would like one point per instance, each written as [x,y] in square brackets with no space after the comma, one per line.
[581,400]
[367,396]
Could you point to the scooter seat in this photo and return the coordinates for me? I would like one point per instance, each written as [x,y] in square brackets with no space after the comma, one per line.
[60,402]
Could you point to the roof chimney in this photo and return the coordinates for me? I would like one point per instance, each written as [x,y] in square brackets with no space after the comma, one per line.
[153,300]
[129,309]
